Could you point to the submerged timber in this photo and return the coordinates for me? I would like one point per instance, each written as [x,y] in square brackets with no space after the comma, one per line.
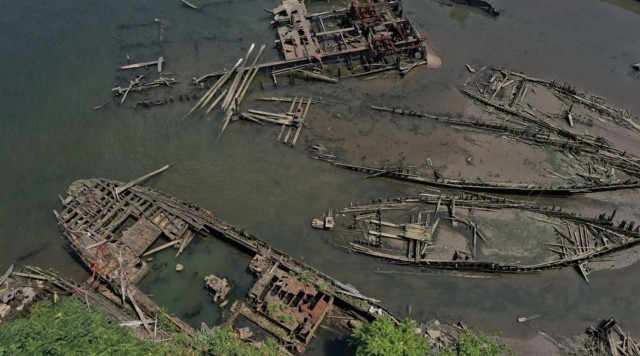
[480,233]
[490,187]
[112,231]
[537,113]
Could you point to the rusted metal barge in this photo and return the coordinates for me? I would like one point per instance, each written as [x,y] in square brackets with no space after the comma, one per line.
[112,225]
[496,234]
[375,29]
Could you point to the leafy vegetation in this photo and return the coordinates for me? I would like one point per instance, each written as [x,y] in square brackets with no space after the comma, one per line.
[321,285]
[222,342]
[471,343]
[69,328]
[281,313]
[382,337]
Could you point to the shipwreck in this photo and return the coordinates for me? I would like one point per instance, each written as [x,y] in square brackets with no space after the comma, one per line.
[477,232]
[536,112]
[112,227]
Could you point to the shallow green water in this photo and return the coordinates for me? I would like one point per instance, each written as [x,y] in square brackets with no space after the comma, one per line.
[60,58]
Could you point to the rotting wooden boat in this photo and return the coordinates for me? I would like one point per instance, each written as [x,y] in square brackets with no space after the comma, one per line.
[477,232]
[528,189]
[111,232]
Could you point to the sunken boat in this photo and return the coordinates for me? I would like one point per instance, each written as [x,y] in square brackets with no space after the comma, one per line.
[594,185]
[552,115]
[111,226]
[536,112]
[478,232]
[372,31]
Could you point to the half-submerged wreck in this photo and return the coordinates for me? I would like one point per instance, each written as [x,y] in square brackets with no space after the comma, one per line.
[371,29]
[112,225]
[492,187]
[479,233]
[538,113]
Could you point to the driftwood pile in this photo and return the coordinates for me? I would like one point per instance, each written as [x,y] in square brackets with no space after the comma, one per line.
[610,339]
[239,78]
[49,284]
[292,121]
[607,339]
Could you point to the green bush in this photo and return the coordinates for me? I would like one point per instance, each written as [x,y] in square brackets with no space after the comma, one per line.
[382,337]
[69,328]
[222,342]
[471,343]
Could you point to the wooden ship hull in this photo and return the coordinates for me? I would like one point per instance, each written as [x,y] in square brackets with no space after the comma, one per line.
[473,232]
[111,226]
[490,187]
[543,114]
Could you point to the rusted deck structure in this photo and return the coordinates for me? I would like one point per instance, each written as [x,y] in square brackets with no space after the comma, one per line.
[111,232]
[375,29]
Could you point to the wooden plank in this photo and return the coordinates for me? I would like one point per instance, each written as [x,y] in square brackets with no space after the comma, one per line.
[215,102]
[140,236]
[139,312]
[157,63]
[162,247]
[281,132]
[186,240]
[6,275]
[304,115]
[236,81]
[128,185]
[221,81]
[253,71]
[188,4]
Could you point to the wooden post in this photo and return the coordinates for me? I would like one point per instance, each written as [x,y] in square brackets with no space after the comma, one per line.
[302,119]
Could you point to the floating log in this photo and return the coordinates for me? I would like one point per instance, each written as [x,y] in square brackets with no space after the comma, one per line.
[524,319]
[190,5]
[221,81]
[128,185]
[318,76]
[252,73]
[236,80]
[157,63]
[215,102]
